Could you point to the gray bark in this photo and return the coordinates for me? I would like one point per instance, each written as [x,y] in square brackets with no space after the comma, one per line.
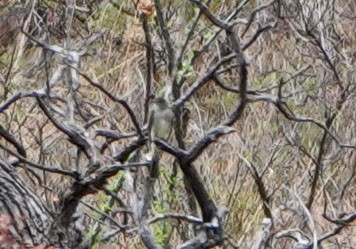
[25,220]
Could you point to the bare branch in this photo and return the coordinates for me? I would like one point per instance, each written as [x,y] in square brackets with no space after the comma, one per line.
[18,96]
[38,166]
[115,99]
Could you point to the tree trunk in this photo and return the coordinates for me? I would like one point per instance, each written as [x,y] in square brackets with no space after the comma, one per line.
[24,220]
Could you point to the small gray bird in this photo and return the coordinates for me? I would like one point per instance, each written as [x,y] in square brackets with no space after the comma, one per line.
[160,121]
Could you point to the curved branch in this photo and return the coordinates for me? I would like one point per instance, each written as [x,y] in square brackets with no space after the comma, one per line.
[202,81]
[38,166]
[12,140]
[18,96]
[115,99]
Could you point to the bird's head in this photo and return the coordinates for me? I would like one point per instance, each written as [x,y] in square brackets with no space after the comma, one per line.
[160,102]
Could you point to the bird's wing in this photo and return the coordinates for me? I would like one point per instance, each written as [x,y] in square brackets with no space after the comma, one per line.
[172,121]
[150,122]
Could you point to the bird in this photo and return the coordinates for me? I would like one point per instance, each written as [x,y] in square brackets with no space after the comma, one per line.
[160,122]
